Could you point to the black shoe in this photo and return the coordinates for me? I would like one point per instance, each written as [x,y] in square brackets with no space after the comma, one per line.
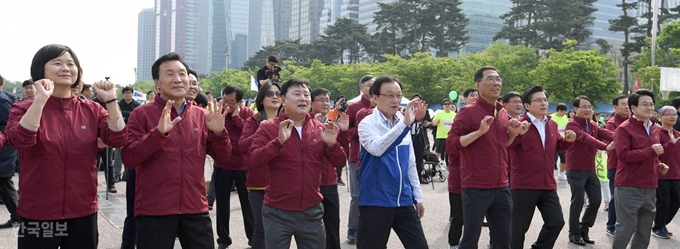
[485,224]
[586,238]
[576,239]
[222,246]
[112,189]
[340,182]
[660,233]
[210,207]
[667,232]
[9,224]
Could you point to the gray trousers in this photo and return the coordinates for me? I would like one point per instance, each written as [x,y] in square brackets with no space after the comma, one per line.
[353,222]
[634,216]
[306,225]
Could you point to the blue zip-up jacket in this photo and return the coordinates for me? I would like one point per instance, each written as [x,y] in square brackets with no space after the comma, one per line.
[388,175]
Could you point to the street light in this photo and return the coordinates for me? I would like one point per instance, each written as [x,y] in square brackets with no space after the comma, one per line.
[655,20]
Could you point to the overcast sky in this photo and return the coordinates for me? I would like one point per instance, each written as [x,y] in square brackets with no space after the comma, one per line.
[103,33]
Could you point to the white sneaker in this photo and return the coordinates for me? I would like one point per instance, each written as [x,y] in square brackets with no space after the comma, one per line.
[561,177]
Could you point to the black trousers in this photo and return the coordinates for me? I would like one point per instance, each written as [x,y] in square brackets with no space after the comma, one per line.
[130,227]
[77,233]
[495,204]
[456,216]
[9,195]
[331,215]
[525,203]
[193,230]
[105,162]
[256,198]
[583,182]
[419,151]
[611,214]
[223,183]
[375,224]
[667,202]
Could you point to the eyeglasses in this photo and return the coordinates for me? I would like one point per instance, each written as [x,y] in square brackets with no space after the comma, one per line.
[517,102]
[447,103]
[671,115]
[646,105]
[545,100]
[323,100]
[390,96]
[272,93]
[494,79]
[586,107]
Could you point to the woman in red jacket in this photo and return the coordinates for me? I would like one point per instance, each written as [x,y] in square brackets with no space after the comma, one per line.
[267,102]
[56,135]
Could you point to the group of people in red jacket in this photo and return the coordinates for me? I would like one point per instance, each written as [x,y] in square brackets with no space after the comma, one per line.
[503,169]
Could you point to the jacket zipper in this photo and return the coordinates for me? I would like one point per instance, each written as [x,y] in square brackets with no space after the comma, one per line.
[302,156]
[63,139]
[401,177]
[181,165]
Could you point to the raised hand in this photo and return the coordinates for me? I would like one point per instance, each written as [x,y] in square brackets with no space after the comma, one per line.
[671,134]
[513,126]
[410,113]
[43,89]
[105,90]
[569,136]
[524,127]
[663,168]
[285,129]
[329,133]
[214,119]
[421,109]
[343,122]
[485,124]
[165,124]
[235,112]
[657,148]
[319,117]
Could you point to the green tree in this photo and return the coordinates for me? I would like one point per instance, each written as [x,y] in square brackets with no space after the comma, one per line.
[388,21]
[447,32]
[625,24]
[569,73]
[546,24]
[346,34]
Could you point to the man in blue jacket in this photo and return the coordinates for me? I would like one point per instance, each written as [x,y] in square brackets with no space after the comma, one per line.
[389,187]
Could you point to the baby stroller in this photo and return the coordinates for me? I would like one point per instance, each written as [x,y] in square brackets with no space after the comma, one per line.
[432,166]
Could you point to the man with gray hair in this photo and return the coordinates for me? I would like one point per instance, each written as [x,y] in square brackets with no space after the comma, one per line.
[668,190]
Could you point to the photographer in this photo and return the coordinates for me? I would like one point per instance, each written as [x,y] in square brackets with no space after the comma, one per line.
[340,107]
[269,72]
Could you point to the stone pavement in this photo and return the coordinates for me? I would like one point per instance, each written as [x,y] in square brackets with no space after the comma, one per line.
[435,222]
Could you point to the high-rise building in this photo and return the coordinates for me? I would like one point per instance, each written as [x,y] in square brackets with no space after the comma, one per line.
[367,9]
[484,22]
[606,10]
[260,25]
[338,9]
[145,44]
[239,33]
[214,36]
[239,53]
[282,10]
[177,29]
[305,20]
[163,28]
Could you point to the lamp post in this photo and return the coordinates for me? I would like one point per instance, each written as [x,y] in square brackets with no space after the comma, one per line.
[655,21]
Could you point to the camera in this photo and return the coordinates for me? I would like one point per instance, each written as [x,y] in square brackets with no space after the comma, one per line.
[271,73]
[342,105]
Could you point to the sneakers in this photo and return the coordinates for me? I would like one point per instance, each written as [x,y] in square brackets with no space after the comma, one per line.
[441,166]
[606,206]
[351,236]
[561,176]
[112,189]
[340,182]
[667,232]
[10,224]
[661,233]
[610,232]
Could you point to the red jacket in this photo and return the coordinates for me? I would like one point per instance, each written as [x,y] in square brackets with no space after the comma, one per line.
[612,124]
[484,162]
[353,125]
[581,156]
[533,164]
[234,126]
[638,163]
[170,166]
[58,162]
[329,177]
[454,166]
[361,114]
[670,156]
[2,140]
[257,176]
[294,168]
